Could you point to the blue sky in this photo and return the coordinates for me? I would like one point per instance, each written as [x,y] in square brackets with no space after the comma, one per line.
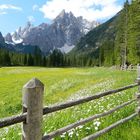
[15,13]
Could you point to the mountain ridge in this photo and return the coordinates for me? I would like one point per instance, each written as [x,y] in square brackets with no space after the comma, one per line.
[65,30]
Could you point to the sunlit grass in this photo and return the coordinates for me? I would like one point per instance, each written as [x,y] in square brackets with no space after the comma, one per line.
[66,84]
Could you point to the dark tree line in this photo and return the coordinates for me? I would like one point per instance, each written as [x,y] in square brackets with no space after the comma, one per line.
[55,59]
[8,58]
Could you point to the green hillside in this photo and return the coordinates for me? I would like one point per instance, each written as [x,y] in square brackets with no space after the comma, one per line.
[115,42]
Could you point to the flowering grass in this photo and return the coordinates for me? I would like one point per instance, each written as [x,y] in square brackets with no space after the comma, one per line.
[66,84]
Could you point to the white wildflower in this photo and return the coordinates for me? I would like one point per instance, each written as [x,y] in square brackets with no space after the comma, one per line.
[88,128]
[96,128]
[80,126]
[70,133]
[62,136]
[97,123]
[77,134]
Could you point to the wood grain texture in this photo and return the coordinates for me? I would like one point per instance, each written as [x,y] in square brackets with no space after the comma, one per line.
[33,101]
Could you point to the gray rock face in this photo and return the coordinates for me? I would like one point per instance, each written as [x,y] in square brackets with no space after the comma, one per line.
[8,38]
[1,39]
[66,29]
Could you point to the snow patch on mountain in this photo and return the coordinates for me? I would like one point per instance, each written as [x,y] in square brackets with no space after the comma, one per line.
[17,41]
[66,48]
[12,43]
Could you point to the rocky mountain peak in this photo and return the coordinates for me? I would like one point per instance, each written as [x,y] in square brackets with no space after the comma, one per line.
[65,17]
[19,30]
[8,38]
[28,25]
[26,29]
[1,38]
[43,25]
[62,14]
[65,31]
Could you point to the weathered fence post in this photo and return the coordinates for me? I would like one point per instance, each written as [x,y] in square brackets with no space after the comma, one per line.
[138,94]
[33,104]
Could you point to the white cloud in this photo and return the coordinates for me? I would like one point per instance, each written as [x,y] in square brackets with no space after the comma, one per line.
[31,19]
[35,7]
[89,9]
[2,13]
[10,7]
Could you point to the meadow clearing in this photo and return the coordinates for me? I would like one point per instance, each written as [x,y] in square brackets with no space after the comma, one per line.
[65,84]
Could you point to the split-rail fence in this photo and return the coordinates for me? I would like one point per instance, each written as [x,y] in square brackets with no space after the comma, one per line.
[33,111]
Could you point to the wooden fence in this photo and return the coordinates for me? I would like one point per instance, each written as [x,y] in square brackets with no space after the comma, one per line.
[33,111]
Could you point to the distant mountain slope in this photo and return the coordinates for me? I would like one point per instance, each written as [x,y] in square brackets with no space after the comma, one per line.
[90,45]
[65,30]
[94,38]
[19,48]
[115,42]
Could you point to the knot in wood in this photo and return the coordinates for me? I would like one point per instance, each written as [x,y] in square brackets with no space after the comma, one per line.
[138,80]
[137,95]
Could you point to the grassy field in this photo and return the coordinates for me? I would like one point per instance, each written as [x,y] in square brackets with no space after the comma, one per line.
[65,84]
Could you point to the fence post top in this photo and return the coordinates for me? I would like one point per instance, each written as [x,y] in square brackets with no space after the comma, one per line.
[33,83]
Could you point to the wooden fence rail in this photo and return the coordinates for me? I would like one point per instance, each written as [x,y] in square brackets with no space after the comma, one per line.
[87,99]
[22,117]
[46,110]
[103,131]
[82,122]
[33,111]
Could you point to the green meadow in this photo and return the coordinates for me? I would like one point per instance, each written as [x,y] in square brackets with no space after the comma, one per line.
[66,84]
